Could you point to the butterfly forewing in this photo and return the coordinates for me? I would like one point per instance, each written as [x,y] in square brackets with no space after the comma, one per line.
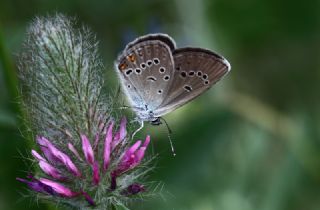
[146,71]
[195,71]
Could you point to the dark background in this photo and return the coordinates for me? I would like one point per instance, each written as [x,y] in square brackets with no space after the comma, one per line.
[252,142]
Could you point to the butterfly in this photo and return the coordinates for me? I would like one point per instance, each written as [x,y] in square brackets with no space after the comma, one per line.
[158,78]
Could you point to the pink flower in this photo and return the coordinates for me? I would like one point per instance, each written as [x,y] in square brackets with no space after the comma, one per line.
[61,168]
[58,188]
[96,174]
[120,135]
[87,149]
[55,155]
[107,147]
[132,157]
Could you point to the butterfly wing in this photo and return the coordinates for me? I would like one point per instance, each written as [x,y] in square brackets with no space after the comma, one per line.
[145,69]
[196,70]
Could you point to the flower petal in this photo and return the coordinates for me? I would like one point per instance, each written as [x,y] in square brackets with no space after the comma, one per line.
[121,134]
[141,150]
[123,129]
[50,170]
[128,159]
[37,156]
[43,143]
[96,175]
[58,188]
[88,199]
[131,150]
[87,149]
[107,147]
[37,186]
[74,151]
[59,156]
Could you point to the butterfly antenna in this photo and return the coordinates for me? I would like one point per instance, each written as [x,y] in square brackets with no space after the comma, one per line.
[139,129]
[169,136]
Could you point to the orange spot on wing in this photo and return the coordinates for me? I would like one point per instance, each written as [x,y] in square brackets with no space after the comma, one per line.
[131,57]
[122,66]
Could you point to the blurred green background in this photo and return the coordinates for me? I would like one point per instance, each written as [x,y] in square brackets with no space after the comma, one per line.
[252,142]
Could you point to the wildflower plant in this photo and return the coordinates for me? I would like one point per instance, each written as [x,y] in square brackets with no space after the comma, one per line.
[84,157]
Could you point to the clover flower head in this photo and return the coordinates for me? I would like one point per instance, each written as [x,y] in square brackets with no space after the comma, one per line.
[64,170]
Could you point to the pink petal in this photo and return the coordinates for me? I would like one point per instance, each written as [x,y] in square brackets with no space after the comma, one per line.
[96,175]
[37,186]
[74,151]
[121,134]
[58,188]
[107,147]
[128,160]
[87,149]
[60,156]
[123,130]
[50,170]
[88,199]
[43,142]
[141,150]
[37,156]
[132,150]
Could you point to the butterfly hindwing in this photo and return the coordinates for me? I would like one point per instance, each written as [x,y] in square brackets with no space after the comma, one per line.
[146,70]
[195,71]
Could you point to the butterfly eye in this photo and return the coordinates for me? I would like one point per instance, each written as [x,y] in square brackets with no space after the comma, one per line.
[162,70]
[149,62]
[128,72]
[166,77]
[156,61]
[188,88]
[143,65]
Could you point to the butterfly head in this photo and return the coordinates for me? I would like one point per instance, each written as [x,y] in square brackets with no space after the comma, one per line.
[156,121]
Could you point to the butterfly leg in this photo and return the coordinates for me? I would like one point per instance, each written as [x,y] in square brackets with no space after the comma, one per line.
[139,129]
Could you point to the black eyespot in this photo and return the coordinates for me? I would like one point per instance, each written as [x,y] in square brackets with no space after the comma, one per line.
[183,74]
[205,76]
[162,70]
[187,88]
[129,86]
[151,78]
[206,82]
[159,91]
[166,77]
[199,73]
[128,72]
[143,65]
[138,71]
[149,62]
[178,68]
[156,61]
[191,73]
